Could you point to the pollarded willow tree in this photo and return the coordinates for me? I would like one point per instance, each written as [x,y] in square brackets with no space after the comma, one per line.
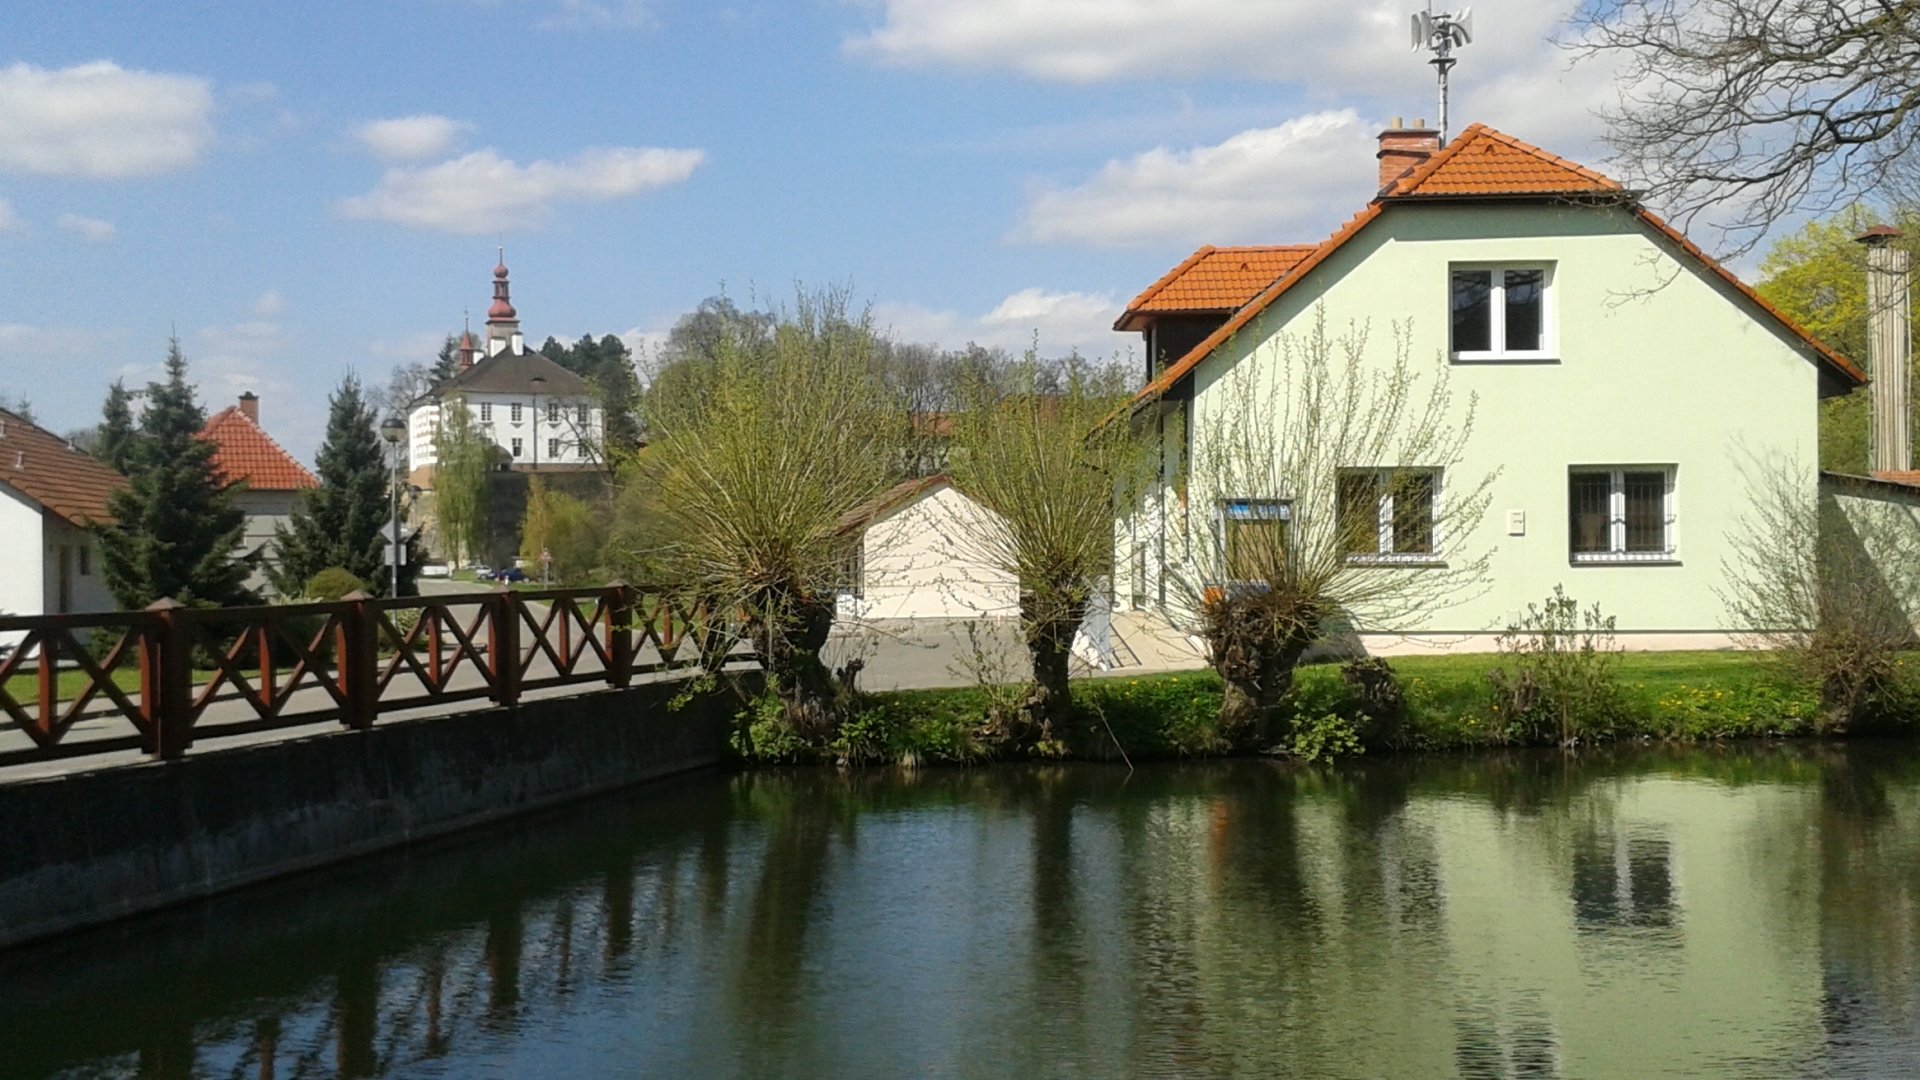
[761,447]
[1339,497]
[1829,582]
[1029,444]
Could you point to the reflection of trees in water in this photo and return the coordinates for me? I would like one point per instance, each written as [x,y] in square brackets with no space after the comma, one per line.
[1237,919]
[1868,830]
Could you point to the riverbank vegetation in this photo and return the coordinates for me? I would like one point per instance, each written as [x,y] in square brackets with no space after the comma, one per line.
[1424,703]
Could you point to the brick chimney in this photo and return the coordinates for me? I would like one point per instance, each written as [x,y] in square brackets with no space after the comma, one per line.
[1889,356]
[250,405]
[1403,149]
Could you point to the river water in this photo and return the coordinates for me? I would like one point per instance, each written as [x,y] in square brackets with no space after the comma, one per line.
[1740,912]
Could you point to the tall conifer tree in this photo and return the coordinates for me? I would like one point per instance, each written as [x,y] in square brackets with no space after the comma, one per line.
[177,530]
[342,521]
[117,434]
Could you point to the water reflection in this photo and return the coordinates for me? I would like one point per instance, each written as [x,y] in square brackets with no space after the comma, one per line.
[1748,912]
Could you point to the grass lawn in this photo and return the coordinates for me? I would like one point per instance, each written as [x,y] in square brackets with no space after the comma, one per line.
[1654,670]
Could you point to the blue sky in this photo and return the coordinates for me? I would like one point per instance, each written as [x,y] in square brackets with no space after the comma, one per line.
[300,190]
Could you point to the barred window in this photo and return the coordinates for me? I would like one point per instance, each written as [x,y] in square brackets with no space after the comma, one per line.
[1384,513]
[1621,515]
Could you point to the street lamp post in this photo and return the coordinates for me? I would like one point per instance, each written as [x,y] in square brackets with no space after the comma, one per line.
[394,430]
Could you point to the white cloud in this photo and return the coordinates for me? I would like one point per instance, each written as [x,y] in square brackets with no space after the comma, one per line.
[1268,185]
[24,341]
[1153,40]
[483,192]
[101,120]
[591,14]
[269,303]
[89,230]
[1060,321]
[410,138]
[1512,76]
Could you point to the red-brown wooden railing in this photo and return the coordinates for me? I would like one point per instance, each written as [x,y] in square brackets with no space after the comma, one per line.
[206,672]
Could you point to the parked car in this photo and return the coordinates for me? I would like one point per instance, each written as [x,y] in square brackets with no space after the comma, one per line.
[435,569]
[511,573]
[482,572]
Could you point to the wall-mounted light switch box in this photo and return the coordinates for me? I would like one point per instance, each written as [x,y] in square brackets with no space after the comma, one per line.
[1516,523]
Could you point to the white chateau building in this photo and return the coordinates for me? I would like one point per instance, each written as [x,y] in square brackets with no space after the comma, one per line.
[541,416]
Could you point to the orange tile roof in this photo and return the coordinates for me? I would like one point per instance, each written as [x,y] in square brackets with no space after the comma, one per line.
[1214,279]
[1447,173]
[243,453]
[46,469]
[1483,162]
[1907,477]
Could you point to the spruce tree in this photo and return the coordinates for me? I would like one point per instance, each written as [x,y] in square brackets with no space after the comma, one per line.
[117,436]
[447,364]
[177,531]
[341,522]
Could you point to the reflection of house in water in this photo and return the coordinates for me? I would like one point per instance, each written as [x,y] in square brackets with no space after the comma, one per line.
[1622,881]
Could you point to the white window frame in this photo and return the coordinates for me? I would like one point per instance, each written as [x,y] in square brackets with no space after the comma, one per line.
[1617,553]
[518,448]
[1497,313]
[553,412]
[514,413]
[486,412]
[553,449]
[580,414]
[1383,553]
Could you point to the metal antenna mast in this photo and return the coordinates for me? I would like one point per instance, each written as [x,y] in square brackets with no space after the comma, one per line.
[1441,33]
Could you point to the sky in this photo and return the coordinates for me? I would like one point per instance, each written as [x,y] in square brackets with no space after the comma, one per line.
[301,191]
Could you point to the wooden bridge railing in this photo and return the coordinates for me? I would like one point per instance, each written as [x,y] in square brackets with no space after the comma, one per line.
[160,678]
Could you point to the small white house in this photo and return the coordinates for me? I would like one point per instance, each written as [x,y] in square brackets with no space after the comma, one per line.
[267,481]
[50,494]
[915,556]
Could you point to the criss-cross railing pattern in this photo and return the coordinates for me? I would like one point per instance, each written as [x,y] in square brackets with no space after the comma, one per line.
[157,680]
[56,670]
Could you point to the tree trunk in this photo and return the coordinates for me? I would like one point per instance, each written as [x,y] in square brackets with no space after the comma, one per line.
[1048,708]
[1255,655]
[793,639]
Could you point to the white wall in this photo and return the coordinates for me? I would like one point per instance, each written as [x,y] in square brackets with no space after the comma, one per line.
[22,568]
[88,584]
[264,510]
[920,563]
[423,423]
[1655,363]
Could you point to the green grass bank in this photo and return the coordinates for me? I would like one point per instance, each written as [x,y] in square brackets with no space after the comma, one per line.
[1443,703]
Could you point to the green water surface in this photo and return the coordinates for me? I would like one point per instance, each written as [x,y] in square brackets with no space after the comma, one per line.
[1739,912]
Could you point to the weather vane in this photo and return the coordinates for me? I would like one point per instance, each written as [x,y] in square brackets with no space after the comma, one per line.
[1442,33]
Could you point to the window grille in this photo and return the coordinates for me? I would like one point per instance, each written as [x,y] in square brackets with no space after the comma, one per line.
[1621,515]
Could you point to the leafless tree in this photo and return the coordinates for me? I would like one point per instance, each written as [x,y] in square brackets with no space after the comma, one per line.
[1736,114]
[1338,497]
[1829,581]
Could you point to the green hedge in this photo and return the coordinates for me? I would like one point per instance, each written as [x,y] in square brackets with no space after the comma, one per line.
[1449,704]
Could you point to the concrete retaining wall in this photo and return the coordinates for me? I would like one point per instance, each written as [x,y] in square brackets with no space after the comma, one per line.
[87,848]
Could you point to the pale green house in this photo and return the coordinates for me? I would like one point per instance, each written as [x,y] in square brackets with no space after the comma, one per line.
[1625,390]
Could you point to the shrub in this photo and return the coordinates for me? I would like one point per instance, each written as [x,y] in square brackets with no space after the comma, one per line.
[1557,680]
[1382,701]
[333,583]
